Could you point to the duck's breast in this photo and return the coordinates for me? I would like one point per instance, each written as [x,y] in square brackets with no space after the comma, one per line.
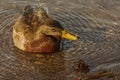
[40,45]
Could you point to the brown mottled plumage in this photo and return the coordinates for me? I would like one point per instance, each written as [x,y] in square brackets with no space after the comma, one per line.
[34,31]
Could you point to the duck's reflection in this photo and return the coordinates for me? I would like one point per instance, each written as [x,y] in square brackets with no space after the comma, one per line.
[51,65]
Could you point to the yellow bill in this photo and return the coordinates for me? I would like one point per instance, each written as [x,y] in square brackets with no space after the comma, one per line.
[67,35]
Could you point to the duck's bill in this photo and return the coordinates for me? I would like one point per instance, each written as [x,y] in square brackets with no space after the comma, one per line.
[69,36]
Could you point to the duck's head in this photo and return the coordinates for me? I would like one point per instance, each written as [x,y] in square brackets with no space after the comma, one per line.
[50,34]
[52,28]
[38,32]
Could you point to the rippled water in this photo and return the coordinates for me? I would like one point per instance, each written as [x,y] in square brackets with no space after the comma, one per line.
[97,22]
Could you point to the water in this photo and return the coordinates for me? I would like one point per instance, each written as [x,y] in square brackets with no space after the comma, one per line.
[95,21]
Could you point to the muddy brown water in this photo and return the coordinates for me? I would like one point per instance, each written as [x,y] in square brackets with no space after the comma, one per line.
[97,22]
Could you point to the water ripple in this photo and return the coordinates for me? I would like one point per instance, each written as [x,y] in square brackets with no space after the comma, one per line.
[96,23]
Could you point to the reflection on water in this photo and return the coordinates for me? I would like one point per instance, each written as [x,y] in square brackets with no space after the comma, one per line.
[95,21]
[45,66]
[50,66]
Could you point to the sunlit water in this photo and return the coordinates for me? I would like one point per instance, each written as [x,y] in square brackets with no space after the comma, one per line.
[97,22]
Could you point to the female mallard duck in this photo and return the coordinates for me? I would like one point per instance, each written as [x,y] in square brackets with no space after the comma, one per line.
[34,31]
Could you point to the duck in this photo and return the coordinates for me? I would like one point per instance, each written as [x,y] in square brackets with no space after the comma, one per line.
[35,31]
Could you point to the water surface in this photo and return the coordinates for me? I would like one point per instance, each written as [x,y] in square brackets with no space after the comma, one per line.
[97,22]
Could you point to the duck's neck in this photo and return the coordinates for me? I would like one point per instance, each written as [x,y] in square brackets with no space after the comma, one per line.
[42,45]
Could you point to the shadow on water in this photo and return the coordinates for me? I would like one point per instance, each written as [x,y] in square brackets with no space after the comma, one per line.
[94,57]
